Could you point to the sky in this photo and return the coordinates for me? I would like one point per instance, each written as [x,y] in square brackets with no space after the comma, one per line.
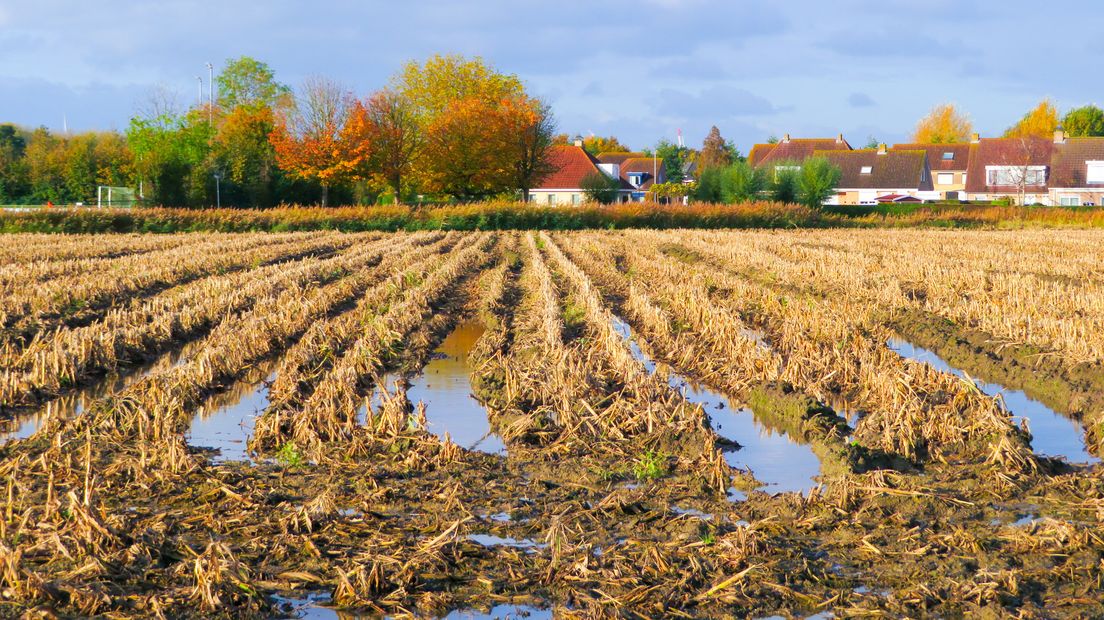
[638,69]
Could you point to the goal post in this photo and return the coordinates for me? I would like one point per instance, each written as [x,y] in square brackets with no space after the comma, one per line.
[112,196]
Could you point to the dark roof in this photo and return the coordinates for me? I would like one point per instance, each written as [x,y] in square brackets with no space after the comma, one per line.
[794,150]
[960,161]
[1028,151]
[570,164]
[890,170]
[1069,166]
[646,165]
[617,158]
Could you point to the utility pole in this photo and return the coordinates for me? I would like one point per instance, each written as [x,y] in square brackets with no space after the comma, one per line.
[210,93]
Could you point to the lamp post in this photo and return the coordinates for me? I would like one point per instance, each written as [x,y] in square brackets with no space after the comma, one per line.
[210,93]
[218,191]
[199,90]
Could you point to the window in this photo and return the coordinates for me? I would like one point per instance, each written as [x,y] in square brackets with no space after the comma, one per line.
[948,156]
[1095,172]
[945,178]
[867,169]
[551,199]
[780,169]
[1070,201]
[575,198]
[1011,176]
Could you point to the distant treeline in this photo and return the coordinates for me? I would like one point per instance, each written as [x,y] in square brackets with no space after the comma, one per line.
[519,216]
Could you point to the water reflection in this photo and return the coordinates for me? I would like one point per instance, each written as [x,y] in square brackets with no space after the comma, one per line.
[225,421]
[1051,433]
[772,456]
[444,385]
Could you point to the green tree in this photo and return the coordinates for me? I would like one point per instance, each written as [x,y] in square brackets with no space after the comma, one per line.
[248,82]
[743,182]
[710,185]
[783,182]
[600,188]
[817,181]
[674,159]
[13,171]
[1086,121]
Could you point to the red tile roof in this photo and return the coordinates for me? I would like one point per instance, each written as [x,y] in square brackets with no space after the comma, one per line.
[888,171]
[1069,165]
[960,161]
[795,150]
[571,165]
[1006,152]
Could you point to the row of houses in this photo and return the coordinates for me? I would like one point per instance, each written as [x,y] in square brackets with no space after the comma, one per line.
[635,173]
[1061,171]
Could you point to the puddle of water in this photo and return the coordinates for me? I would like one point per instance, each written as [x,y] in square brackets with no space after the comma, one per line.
[445,387]
[313,607]
[226,420]
[489,540]
[1051,433]
[76,403]
[692,512]
[783,464]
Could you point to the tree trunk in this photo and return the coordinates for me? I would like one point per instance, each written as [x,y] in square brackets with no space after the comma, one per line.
[325,194]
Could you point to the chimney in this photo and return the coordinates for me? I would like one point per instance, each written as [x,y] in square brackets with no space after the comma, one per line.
[975,138]
[785,137]
[839,139]
[1059,136]
[579,143]
[882,149]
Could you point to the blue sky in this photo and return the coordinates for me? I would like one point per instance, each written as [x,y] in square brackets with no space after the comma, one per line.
[639,69]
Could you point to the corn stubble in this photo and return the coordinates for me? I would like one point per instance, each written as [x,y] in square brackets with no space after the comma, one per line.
[611,501]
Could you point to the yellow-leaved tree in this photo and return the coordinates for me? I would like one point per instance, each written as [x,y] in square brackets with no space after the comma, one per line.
[944,124]
[1040,122]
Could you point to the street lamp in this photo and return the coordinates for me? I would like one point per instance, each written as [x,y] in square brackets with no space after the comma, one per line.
[210,93]
[218,192]
[199,90]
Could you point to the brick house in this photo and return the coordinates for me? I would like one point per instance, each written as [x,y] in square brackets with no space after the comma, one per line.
[1077,171]
[949,164]
[869,176]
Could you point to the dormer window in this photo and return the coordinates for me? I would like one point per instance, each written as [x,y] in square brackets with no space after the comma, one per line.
[636,178]
[1095,172]
[948,156]
[867,170]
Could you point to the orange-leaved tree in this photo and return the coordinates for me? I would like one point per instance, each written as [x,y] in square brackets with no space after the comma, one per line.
[306,135]
[461,156]
[1040,122]
[944,124]
[524,131]
[382,140]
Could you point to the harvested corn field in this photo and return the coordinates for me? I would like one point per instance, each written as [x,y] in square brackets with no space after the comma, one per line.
[630,424]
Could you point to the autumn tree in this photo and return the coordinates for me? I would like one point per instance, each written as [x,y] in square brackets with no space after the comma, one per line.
[944,124]
[460,159]
[525,129]
[1086,121]
[1040,122]
[716,152]
[245,155]
[382,139]
[604,144]
[433,86]
[306,134]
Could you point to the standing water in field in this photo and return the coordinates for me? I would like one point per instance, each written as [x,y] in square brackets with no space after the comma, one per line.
[1051,433]
[444,385]
[73,404]
[773,457]
[313,607]
[226,420]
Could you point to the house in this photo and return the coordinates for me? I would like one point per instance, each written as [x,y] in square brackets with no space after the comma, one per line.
[637,173]
[792,151]
[1077,171]
[1017,169]
[869,176]
[571,164]
[948,163]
